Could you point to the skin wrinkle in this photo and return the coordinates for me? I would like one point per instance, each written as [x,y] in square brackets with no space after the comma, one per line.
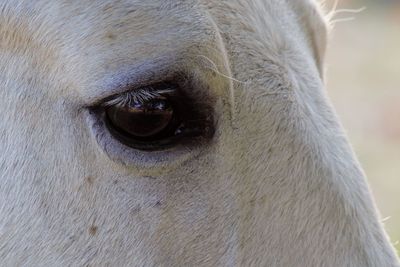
[278,185]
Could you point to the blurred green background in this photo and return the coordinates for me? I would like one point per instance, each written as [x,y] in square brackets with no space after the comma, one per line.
[363,81]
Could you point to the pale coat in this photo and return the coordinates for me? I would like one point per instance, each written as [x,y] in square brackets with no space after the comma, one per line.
[278,185]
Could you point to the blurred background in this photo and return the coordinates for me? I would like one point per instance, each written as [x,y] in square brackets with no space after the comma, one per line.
[363,81]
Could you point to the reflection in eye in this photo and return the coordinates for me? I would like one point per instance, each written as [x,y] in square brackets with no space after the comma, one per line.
[156,117]
[142,119]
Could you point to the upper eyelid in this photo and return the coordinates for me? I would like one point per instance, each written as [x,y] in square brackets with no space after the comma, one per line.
[133,77]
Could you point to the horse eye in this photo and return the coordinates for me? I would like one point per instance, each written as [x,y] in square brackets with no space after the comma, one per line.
[150,120]
[142,120]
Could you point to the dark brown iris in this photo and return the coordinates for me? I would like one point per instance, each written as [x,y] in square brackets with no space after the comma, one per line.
[142,119]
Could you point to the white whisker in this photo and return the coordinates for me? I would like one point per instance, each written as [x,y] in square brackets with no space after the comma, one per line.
[353,11]
[342,20]
[214,68]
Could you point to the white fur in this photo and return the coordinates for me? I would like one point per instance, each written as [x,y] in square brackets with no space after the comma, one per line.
[278,186]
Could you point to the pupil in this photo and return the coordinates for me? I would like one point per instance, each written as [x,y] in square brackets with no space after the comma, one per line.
[142,119]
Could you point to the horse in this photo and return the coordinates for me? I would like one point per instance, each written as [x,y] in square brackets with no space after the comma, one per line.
[176,133]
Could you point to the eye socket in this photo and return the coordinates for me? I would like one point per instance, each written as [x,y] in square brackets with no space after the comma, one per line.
[157,118]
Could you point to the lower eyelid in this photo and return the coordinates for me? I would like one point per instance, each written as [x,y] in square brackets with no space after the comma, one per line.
[125,155]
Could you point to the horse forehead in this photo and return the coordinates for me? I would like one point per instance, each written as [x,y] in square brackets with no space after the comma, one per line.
[101,11]
[100,37]
[77,20]
[101,15]
[103,22]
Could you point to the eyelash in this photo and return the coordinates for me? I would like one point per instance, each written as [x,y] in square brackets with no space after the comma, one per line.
[137,96]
